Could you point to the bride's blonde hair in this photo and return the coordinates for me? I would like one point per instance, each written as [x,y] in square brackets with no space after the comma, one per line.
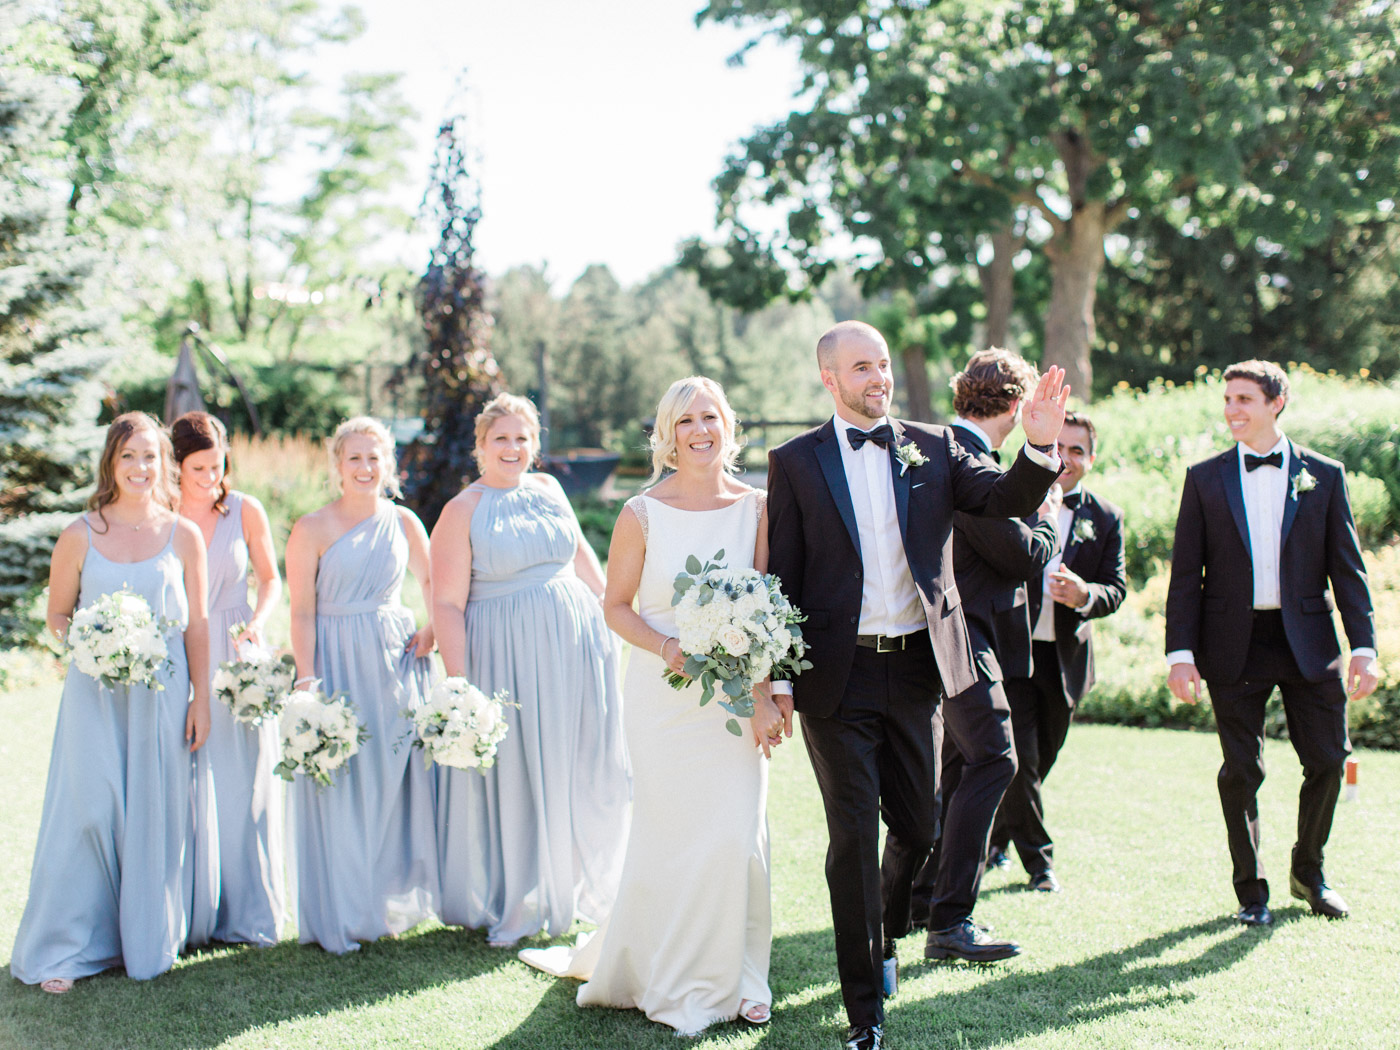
[674,404]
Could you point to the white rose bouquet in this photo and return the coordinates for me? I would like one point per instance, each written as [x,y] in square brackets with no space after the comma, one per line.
[735,628]
[319,735]
[255,683]
[118,640]
[460,725]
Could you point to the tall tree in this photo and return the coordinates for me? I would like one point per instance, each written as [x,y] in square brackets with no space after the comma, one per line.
[454,363]
[49,399]
[930,129]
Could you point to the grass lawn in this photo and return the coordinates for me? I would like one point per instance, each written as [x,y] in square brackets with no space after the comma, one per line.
[1137,952]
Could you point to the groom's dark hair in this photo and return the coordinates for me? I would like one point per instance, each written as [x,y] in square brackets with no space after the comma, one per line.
[1269,377]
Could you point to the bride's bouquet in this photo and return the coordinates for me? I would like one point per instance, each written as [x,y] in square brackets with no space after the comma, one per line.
[319,735]
[255,683]
[118,640]
[735,627]
[460,725]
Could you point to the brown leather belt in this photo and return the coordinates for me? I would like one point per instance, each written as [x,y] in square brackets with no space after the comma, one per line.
[891,643]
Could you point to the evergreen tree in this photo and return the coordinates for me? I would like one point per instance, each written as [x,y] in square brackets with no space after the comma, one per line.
[49,398]
[454,363]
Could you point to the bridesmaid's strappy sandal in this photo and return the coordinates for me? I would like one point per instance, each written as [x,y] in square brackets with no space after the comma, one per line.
[57,985]
[755,1012]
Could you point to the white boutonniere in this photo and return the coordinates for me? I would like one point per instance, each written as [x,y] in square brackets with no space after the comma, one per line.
[1303,482]
[909,456]
[1084,531]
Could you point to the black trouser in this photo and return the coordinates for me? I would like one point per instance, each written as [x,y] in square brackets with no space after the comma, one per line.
[874,760]
[978,762]
[1040,717]
[1317,726]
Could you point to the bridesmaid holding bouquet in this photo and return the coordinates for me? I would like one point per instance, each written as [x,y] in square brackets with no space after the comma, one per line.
[125,871]
[249,796]
[366,862]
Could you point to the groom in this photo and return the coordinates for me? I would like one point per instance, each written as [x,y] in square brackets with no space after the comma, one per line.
[860,519]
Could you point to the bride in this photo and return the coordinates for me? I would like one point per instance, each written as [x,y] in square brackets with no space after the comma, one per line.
[689,936]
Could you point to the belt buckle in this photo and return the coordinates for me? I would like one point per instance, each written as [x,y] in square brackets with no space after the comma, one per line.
[881,647]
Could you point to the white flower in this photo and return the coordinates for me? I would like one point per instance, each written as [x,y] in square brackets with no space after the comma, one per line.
[909,455]
[735,640]
[1303,482]
[1084,530]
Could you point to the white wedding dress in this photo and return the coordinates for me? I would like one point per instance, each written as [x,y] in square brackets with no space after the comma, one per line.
[690,933]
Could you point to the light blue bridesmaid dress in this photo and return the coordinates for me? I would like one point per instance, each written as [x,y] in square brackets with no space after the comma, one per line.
[125,870]
[252,877]
[364,846]
[539,838]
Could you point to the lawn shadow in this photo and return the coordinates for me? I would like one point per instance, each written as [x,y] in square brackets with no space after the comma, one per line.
[217,994]
[1021,1003]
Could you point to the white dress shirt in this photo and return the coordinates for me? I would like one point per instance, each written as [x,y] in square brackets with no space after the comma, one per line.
[889,601]
[1045,625]
[1265,495]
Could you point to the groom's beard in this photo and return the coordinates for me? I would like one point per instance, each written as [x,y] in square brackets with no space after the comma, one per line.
[854,399]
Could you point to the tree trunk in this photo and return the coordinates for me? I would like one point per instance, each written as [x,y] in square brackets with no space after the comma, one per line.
[998,292]
[1076,259]
[918,402]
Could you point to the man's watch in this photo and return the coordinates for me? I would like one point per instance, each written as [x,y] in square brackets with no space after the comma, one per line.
[1044,450]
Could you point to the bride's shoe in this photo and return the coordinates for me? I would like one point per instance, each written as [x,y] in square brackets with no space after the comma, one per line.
[57,985]
[754,1012]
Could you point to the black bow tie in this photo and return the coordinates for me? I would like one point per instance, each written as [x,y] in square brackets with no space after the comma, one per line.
[996,456]
[1273,459]
[883,435]
[1073,500]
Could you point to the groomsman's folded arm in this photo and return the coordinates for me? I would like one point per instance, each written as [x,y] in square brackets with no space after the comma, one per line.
[1017,550]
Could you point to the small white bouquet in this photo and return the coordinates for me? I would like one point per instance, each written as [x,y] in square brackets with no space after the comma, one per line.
[460,725]
[319,735]
[118,640]
[735,627]
[255,683]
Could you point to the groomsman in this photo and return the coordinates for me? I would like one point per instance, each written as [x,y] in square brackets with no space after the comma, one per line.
[1262,531]
[860,522]
[992,560]
[1085,581]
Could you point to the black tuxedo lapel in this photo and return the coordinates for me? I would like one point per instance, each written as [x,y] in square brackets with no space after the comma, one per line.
[829,457]
[1290,504]
[1234,492]
[900,479]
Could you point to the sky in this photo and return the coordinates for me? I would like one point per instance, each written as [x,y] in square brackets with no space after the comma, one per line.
[599,123]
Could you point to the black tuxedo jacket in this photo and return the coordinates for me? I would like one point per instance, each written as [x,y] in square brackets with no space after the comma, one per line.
[1093,550]
[1211,595]
[815,551]
[993,558]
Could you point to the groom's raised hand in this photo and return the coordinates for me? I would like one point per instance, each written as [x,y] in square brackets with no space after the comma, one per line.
[1044,413]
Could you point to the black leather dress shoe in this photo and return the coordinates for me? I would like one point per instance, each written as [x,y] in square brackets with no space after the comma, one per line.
[1045,882]
[864,1037]
[997,858]
[967,941]
[1322,898]
[1255,915]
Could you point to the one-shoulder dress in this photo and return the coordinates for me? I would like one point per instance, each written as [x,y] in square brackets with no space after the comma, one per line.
[690,935]
[538,839]
[125,870]
[251,862]
[366,864]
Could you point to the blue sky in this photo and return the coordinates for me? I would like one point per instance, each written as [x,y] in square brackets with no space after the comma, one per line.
[600,123]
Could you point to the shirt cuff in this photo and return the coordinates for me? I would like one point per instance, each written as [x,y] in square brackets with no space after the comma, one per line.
[1040,459]
[782,687]
[1181,656]
[1364,650]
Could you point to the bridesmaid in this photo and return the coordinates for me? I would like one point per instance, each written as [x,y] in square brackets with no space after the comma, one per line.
[236,533]
[539,837]
[364,846]
[113,882]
